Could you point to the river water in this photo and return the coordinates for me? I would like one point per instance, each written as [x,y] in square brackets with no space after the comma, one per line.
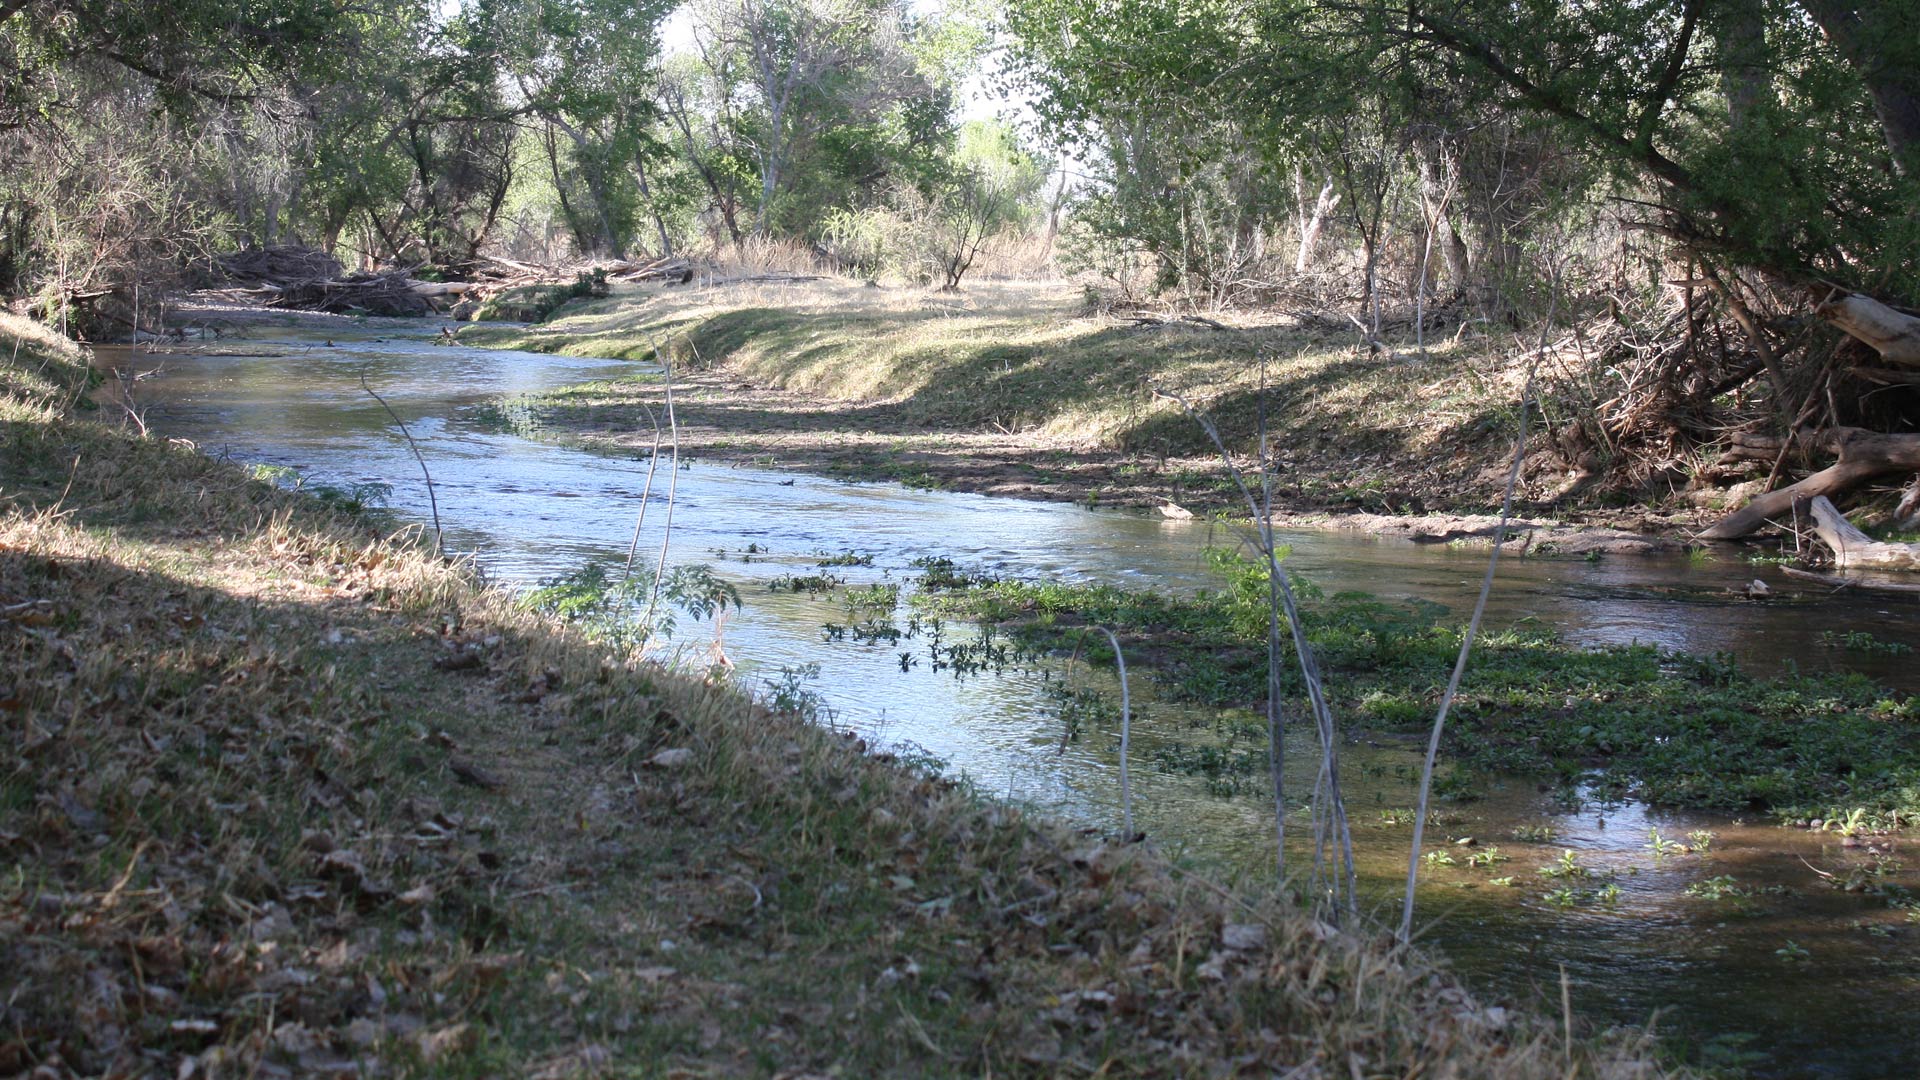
[1803,980]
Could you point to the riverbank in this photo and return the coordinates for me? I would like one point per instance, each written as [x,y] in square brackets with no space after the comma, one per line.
[287,794]
[1007,389]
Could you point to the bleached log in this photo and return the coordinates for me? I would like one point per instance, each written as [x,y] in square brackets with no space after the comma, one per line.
[1855,550]
[440,288]
[1895,335]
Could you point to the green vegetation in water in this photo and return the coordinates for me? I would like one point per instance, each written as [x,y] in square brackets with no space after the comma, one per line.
[1861,641]
[628,612]
[811,584]
[844,558]
[878,597]
[362,497]
[1671,728]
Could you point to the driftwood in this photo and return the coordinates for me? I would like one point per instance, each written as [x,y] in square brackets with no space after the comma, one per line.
[1895,335]
[1853,549]
[1840,582]
[1859,455]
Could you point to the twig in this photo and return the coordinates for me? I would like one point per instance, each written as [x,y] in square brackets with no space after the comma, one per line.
[1473,626]
[439,545]
[1303,650]
[1126,728]
[646,492]
[673,485]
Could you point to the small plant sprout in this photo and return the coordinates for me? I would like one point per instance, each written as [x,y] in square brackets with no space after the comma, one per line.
[1855,824]
[1719,887]
[1566,866]
[1441,857]
[1485,859]
[1662,847]
[1702,840]
[1793,952]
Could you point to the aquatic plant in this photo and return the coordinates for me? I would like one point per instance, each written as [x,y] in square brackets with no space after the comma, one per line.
[1718,887]
[1662,847]
[1487,857]
[812,584]
[1861,641]
[845,558]
[880,596]
[1567,866]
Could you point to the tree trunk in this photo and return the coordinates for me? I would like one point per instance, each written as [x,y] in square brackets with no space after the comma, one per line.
[1313,223]
[1876,37]
[1740,48]
[1895,335]
[653,208]
[1855,550]
[1860,455]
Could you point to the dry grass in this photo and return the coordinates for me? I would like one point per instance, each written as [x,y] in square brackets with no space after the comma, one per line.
[283,795]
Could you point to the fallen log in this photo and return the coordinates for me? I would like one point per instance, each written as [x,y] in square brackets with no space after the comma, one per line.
[441,288]
[1859,456]
[1894,334]
[1853,549]
[1840,582]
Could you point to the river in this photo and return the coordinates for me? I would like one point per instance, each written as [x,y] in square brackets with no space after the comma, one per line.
[1808,980]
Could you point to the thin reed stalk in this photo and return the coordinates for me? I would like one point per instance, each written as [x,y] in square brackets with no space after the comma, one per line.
[1276,722]
[1405,933]
[673,487]
[433,503]
[1126,730]
[646,492]
[1309,667]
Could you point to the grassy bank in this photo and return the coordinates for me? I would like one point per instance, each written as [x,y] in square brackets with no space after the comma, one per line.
[283,794]
[1669,728]
[1009,389]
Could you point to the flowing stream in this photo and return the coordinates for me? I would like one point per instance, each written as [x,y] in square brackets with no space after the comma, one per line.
[1807,980]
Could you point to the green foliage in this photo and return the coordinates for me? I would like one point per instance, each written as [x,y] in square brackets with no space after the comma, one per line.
[616,611]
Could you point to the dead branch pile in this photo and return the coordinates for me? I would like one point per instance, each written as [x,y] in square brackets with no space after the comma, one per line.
[1634,394]
[281,265]
[308,280]
[390,293]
